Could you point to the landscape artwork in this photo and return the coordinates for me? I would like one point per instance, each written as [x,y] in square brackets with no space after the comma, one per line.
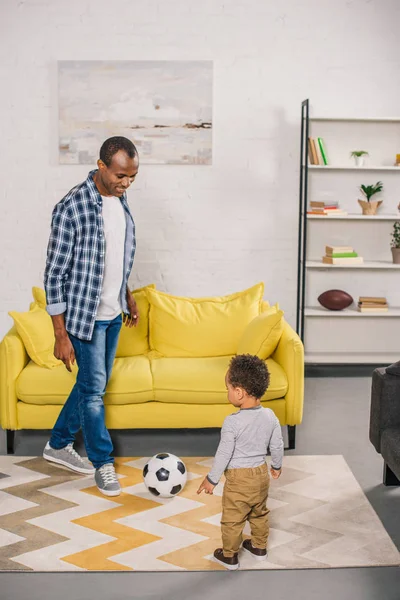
[164,107]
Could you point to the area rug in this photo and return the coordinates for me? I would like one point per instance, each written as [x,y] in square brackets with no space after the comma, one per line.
[54,520]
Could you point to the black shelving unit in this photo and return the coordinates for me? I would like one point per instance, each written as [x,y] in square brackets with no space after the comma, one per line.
[302,239]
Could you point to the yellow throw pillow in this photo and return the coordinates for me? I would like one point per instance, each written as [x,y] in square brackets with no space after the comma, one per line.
[199,327]
[135,340]
[36,331]
[262,335]
[39,297]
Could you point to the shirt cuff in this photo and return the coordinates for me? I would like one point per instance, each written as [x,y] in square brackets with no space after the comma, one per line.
[56,309]
[276,468]
[211,481]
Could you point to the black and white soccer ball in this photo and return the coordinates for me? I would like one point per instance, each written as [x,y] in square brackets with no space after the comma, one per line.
[165,475]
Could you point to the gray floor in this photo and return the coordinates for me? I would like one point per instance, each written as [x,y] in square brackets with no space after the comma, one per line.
[336,421]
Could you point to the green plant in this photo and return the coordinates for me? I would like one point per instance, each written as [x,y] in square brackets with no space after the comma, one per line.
[396,235]
[370,190]
[359,153]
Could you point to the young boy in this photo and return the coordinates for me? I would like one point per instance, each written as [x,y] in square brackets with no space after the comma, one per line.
[245,438]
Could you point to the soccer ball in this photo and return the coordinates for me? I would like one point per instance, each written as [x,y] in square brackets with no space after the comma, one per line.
[165,475]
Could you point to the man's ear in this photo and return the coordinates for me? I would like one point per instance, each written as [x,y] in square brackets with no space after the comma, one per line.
[100,164]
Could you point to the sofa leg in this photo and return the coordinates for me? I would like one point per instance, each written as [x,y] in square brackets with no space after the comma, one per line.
[10,441]
[292,436]
[389,478]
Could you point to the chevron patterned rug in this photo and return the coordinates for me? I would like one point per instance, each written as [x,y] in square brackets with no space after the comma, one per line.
[54,520]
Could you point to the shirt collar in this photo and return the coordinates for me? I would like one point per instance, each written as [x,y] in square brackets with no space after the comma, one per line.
[94,193]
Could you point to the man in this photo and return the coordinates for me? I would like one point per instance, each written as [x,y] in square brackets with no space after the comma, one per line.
[89,259]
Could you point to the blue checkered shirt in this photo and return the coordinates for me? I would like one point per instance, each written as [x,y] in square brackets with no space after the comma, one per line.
[74,271]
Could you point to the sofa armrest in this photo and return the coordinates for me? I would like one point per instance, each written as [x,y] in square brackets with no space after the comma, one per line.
[13,358]
[289,354]
[385,405]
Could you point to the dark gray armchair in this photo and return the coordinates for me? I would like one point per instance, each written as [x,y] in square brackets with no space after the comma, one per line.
[384,430]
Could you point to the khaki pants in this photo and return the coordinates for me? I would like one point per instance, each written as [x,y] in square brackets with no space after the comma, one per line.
[245,499]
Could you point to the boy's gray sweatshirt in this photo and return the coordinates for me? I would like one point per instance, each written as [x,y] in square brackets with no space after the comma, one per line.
[245,438]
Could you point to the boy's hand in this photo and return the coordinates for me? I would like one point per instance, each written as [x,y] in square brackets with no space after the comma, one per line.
[275,473]
[206,486]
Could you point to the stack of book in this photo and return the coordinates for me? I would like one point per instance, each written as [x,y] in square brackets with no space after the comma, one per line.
[325,209]
[372,304]
[341,255]
[317,152]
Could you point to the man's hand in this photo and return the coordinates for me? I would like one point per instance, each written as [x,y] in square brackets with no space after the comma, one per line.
[63,350]
[133,318]
[206,486]
[275,473]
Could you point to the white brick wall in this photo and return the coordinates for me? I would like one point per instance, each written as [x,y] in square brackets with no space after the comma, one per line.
[201,230]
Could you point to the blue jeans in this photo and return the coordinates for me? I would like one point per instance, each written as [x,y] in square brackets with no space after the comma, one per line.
[84,407]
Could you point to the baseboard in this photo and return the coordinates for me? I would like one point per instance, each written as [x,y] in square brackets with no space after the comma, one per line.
[341,369]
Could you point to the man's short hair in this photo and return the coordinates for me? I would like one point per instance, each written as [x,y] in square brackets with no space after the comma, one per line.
[114,145]
[250,373]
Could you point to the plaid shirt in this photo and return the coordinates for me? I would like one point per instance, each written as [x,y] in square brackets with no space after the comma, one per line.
[74,271]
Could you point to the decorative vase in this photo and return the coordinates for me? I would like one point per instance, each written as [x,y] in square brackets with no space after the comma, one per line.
[359,161]
[370,208]
[396,255]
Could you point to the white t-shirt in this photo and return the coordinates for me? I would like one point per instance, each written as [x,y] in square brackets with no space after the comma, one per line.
[114,235]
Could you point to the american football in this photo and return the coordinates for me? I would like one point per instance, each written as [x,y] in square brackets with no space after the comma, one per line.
[335,299]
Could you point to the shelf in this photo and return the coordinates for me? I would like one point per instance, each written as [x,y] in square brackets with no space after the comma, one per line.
[353,168]
[324,358]
[381,264]
[315,311]
[358,119]
[355,217]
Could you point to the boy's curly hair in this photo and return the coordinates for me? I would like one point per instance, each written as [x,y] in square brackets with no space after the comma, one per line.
[250,373]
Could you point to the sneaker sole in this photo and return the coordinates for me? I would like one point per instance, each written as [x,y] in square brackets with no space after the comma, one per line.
[229,567]
[109,492]
[58,461]
[258,558]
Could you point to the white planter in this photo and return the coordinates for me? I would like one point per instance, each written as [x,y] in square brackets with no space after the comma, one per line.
[359,161]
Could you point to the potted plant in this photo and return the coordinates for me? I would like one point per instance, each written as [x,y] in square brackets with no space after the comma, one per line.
[358,156]
[396,242]
[370,207]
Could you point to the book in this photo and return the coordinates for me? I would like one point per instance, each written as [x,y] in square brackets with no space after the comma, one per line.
[323,150]
[328,215]
[367,305]
[375,299]
[355,260]
[329,250]
[375,310]
[321,204]
[312,152]
[343,254]
[318,152]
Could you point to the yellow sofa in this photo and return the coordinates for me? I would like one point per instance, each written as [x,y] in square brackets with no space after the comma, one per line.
[169,373]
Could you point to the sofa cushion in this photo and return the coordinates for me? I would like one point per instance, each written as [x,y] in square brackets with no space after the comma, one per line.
[35,328]
[130,383]
[202,380]
[201,327]
[39,297]
[262,335]
[135,340]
